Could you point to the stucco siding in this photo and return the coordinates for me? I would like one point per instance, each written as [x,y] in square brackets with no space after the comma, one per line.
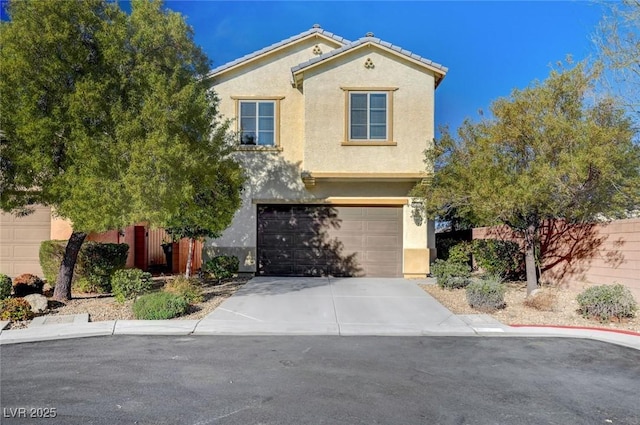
[271,76]
[325,114]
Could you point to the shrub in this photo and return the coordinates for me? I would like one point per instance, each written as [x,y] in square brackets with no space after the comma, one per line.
[451,274]
[486,294]
[15,309]
[461,253]
[129,283]
[26,284]
[51,253]
[95,264]
[605,302]
[99,261]
[496,257]
[159,306]
[5,286]
[189,289]
[541,300]
[222,266]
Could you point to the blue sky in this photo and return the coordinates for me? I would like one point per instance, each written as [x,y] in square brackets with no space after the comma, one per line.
[490,48]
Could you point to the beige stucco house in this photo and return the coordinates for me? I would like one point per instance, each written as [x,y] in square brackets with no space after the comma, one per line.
[331,134]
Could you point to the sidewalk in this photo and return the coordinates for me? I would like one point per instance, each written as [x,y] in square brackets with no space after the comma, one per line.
[316,306]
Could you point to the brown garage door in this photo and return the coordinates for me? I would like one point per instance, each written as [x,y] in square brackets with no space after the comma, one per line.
[314,240]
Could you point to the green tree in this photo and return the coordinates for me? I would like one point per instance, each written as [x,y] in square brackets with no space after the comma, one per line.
[212,208]
[549,151]
[618,43]
[106,118]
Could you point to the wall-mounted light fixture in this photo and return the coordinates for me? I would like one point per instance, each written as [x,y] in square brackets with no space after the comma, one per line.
[417,211]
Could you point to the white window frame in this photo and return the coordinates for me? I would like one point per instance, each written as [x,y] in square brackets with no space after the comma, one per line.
[275,100]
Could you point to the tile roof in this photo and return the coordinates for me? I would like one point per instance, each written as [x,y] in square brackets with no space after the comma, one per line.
[346,45]
[365,40]
[315,30]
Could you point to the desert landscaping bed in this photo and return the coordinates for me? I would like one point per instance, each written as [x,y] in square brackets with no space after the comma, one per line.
[564,310]
[101,307]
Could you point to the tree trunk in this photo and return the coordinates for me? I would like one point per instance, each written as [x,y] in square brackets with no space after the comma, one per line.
[62,291]
[187,272]
[530,258]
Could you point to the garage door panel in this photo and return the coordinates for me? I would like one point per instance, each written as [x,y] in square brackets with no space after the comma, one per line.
[386,257]
[390,213]
[348,227]
[390,227]
[25,251]
[321,240]
[279,254]
[349,212]
[382,241]
[6,233]
[353,242]
[277,240]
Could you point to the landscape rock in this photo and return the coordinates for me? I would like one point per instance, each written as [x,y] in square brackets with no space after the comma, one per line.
[38,302]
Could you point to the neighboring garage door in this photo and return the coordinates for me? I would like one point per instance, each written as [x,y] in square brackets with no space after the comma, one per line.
[20,239]
[315,240]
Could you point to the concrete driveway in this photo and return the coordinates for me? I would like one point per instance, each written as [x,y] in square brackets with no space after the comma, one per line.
[332,306]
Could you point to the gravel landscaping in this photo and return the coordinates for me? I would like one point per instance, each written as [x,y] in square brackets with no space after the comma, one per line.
[105,307]
[563,308]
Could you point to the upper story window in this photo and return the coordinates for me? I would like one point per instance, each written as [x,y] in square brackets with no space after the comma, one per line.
[369,116]
[368,113]
[258,121]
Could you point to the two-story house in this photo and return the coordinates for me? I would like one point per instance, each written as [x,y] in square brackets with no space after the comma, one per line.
[331,134]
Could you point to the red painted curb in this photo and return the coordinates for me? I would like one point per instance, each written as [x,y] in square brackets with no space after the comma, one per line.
[620,331]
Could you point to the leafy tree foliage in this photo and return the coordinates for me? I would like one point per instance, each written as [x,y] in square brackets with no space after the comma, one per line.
[618,42]
[106,118]
[549,151]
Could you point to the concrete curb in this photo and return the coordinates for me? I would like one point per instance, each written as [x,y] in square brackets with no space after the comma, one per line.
[209,327]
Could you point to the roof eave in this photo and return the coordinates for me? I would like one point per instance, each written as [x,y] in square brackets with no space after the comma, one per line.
[251,57]
[298,71]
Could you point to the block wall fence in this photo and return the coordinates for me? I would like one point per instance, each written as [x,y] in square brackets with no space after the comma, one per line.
[595,254]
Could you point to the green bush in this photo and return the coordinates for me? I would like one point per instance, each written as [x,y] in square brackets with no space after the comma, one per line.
[486,294]
[460,253]
[95,264]
[99,261]
[605,302]
[5,286]
[15,309]
[497,257]
[129,283]
[159,306]
[222,266]
[51,253]
[451,274]
[189,289]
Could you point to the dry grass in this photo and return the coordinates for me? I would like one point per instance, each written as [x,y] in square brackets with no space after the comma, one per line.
[557,307]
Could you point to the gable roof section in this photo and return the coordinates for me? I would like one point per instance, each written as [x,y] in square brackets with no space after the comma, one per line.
[438,69]
[315,31]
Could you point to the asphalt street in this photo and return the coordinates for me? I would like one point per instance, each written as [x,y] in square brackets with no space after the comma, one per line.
[319,380]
